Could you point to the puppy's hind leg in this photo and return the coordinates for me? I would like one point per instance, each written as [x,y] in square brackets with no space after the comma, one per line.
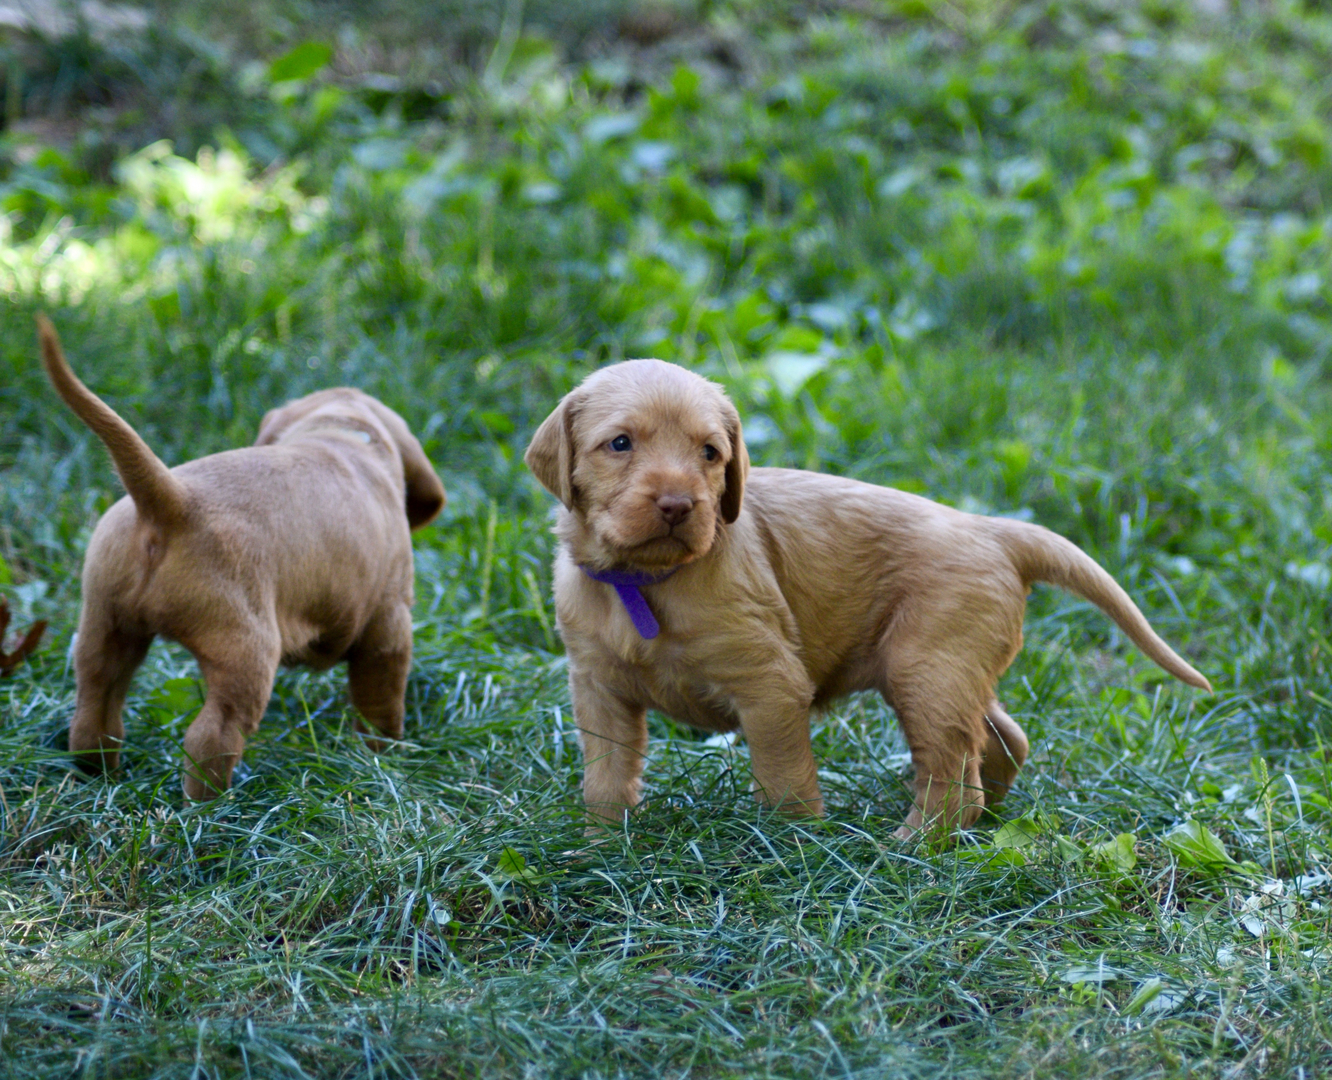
[1006,750]
[940,704]
[105,660]
[239,674]
[947,758]
[377,668]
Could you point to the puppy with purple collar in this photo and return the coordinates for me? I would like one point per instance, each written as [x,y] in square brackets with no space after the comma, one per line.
[734,598]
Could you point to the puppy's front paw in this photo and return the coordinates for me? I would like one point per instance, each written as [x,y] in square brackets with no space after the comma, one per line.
[375,740]
[603,818]
[797,809]
[97,759]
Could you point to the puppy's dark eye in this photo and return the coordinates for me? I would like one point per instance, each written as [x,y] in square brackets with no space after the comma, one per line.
[710,452]
[621,443]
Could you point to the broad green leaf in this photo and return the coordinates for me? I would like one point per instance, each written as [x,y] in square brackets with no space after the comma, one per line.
[513,865]
[1019,833]
[1022,831]
[308,58]
[1197,846]
[1117,853]
[1068,850]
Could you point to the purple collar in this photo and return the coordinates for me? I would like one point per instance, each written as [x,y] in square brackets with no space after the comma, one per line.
[627,583]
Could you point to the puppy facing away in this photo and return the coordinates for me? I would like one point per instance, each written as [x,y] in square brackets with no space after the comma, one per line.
[296,550]
[735,598]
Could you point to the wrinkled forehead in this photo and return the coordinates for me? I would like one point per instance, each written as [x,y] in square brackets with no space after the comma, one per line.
[648,404]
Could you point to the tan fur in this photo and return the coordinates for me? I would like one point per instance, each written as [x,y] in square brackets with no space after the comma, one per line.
[293,551]
[791,589]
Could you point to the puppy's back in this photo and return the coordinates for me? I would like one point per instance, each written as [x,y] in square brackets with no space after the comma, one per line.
[839,546]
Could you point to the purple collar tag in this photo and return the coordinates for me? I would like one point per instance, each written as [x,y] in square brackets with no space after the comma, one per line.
[627,583]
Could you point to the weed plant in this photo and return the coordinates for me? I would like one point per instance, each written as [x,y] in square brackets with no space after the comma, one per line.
[1066,261]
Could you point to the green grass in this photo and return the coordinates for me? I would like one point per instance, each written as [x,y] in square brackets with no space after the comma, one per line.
[1062,260]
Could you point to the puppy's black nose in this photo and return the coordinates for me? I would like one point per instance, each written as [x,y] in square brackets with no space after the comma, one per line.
[674,508]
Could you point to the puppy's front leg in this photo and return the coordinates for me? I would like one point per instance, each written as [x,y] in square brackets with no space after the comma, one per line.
[614,737]
[774,715]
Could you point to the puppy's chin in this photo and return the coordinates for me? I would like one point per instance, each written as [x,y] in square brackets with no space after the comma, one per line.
[662,553]
[607,544]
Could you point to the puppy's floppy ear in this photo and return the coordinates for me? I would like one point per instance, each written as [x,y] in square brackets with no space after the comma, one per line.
[737,469]
[274,421]
[425,492]
[550,455]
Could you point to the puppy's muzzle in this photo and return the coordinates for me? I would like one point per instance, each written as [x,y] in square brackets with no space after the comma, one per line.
[674,508]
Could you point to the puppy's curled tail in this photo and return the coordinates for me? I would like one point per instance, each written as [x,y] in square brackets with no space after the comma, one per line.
[1041,555]
[157,495]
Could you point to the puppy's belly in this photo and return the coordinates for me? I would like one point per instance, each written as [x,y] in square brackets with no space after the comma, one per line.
[697,710]
[315,647]
[317,655]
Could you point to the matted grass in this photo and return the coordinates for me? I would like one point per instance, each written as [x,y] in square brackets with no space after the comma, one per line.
[1061,261]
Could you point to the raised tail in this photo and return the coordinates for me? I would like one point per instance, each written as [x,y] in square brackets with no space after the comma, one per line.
[1041,555]
[158,495]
